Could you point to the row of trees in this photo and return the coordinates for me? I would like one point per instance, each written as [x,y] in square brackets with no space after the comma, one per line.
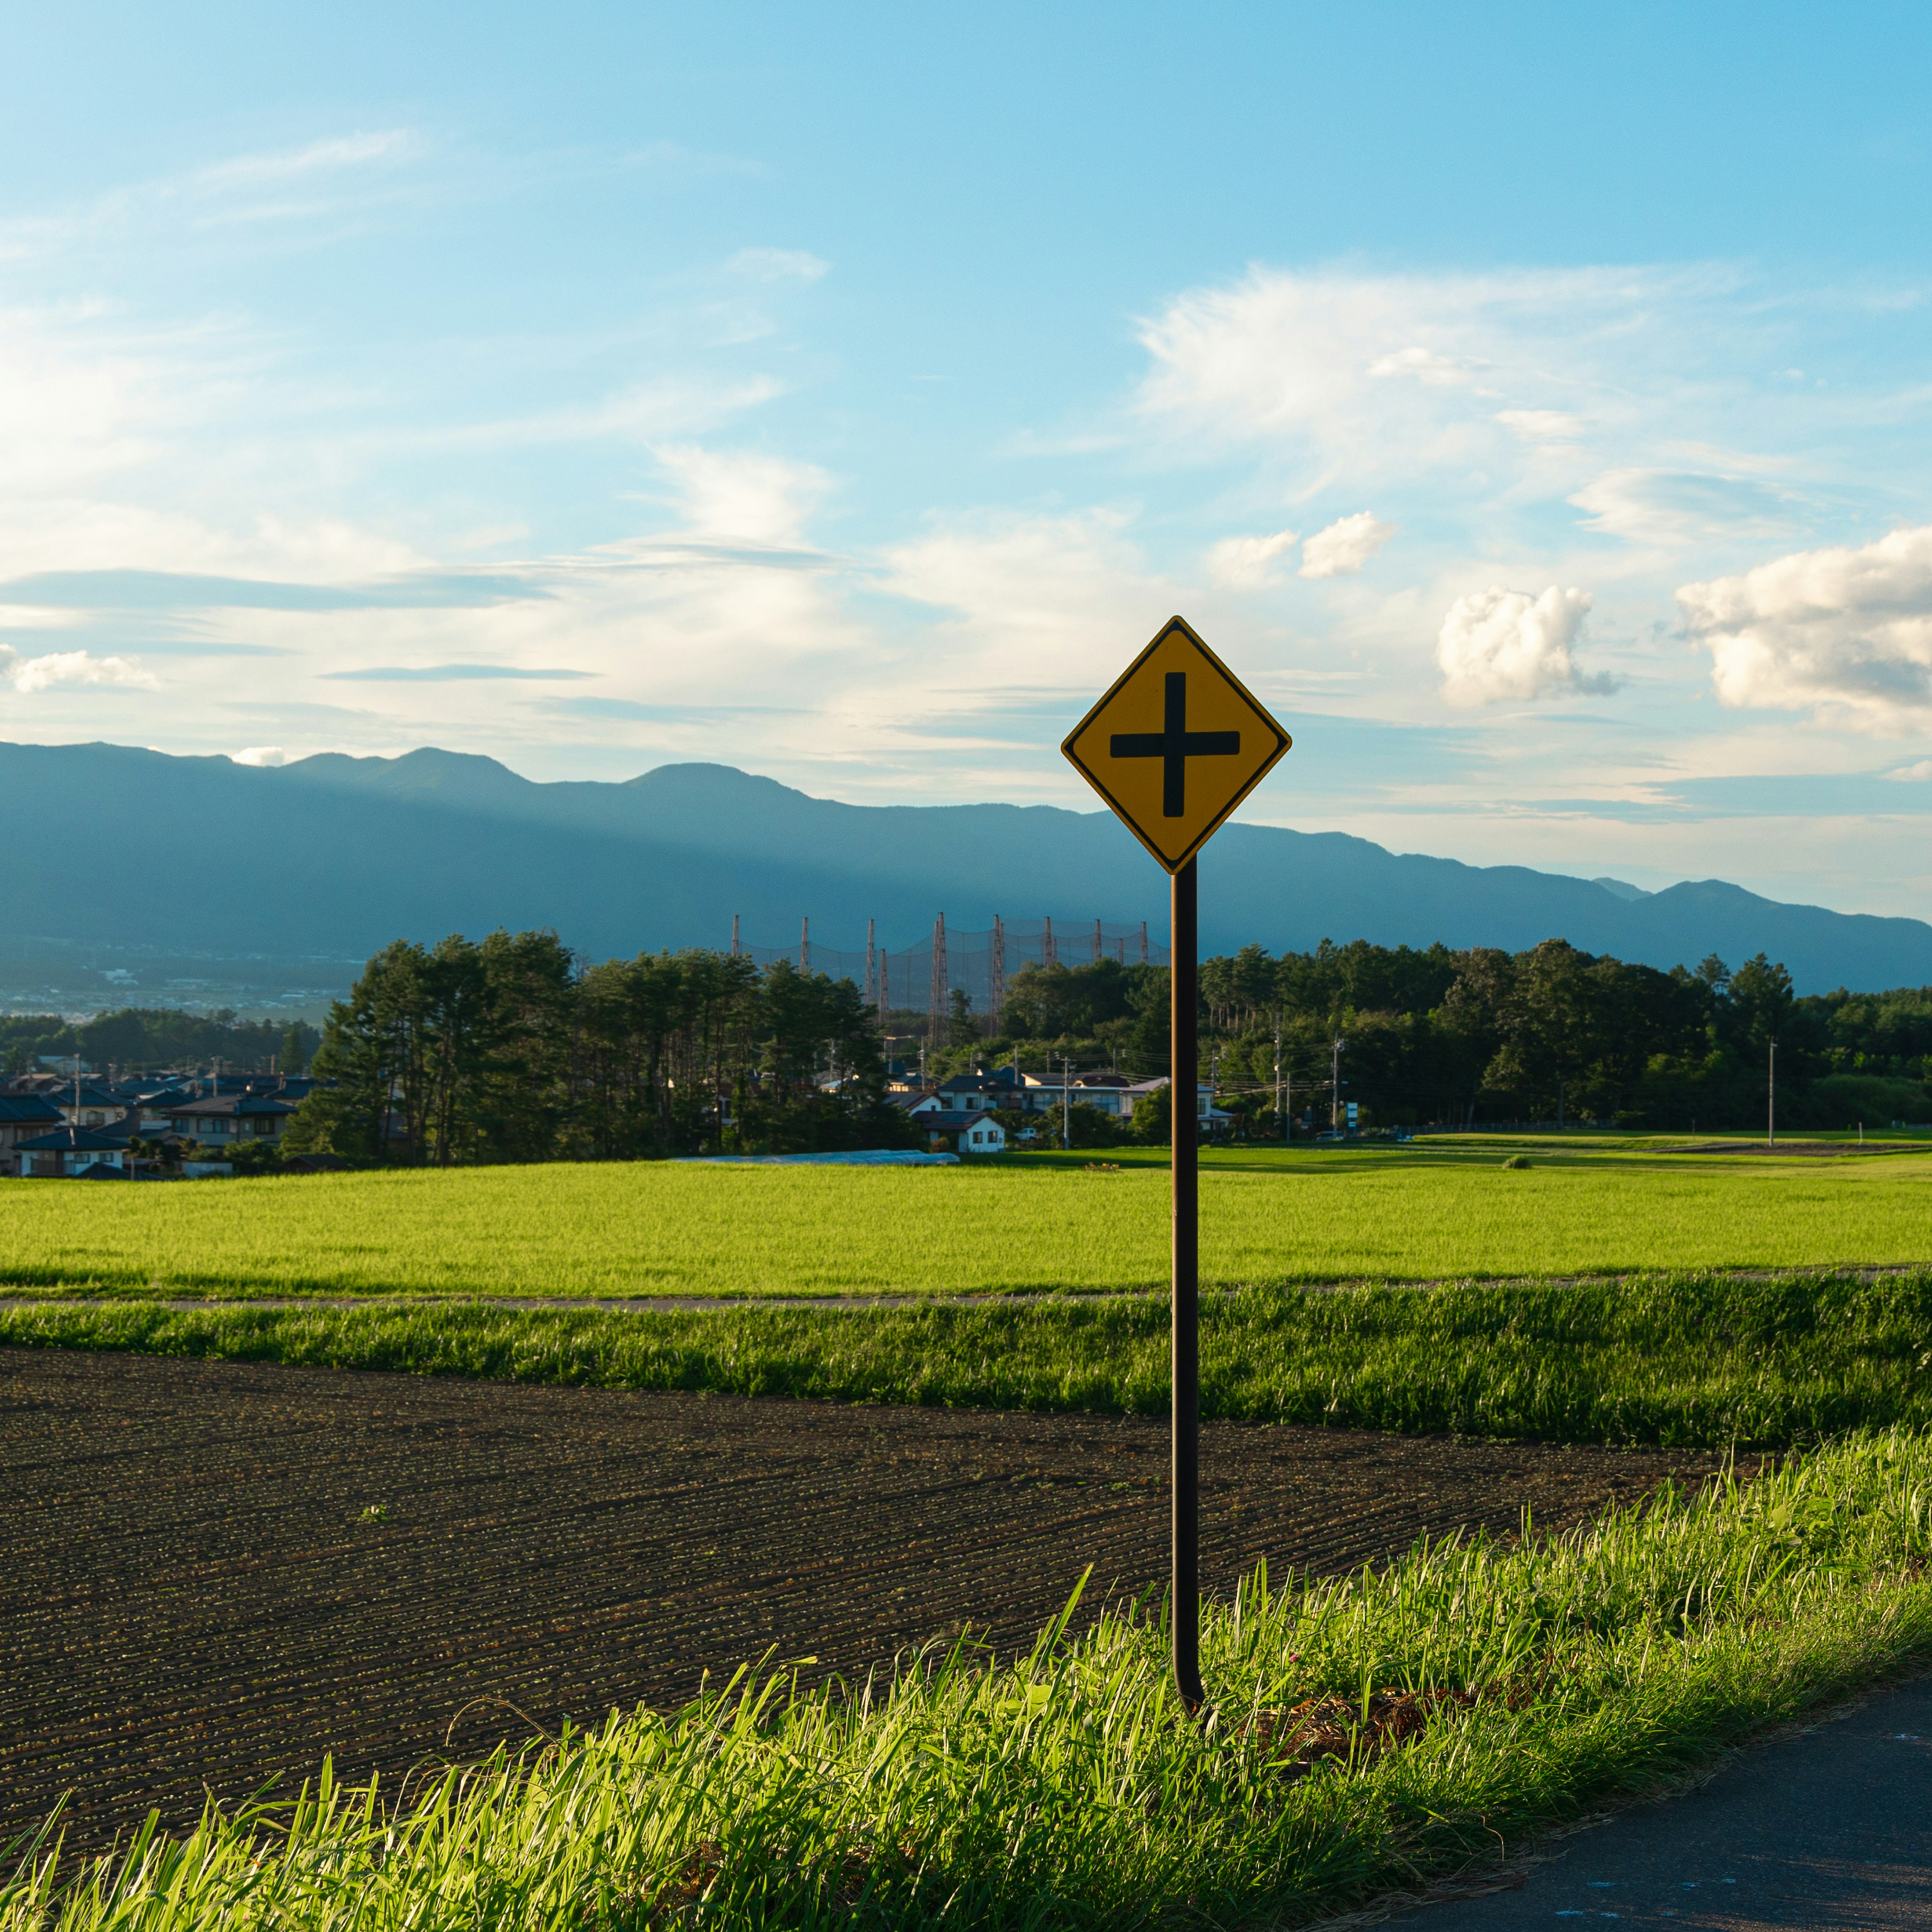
[514,1049]
[1436,1035]
[138,1038]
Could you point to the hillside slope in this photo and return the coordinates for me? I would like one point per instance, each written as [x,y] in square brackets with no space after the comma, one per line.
[334,856]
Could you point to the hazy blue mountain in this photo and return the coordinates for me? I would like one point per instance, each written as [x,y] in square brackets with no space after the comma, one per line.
[334,856]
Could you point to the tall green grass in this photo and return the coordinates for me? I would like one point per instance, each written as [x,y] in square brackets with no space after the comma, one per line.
[657,1229]
[1069,1789]
[1679,1361]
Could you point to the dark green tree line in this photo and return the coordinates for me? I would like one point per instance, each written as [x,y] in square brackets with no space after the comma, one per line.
[137,1040]
[1431,1034]
[512,1049]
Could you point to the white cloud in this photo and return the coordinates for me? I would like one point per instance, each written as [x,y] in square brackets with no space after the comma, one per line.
[42,673]
[734,498]
[323,157]
[1840,630]
[245,188]
[1542,425]
[1246,561]
[1375,375]
[1912,774]
[1499,643]
[1344,547]
[1035,604]
[1425,365]
[1683,506]
[777,264]
[262,755]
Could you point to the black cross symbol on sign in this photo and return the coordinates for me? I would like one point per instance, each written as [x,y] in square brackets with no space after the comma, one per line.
[1175,745]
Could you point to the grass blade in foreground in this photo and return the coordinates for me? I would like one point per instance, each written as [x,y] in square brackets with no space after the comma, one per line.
[1678,1361]
[1365,1734]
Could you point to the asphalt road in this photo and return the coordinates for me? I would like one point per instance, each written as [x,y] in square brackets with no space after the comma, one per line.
[1831,1829]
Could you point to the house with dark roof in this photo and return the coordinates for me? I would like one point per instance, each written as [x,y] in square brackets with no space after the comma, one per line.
[87,1106]
[68,1152]
[24,1117]
[231,1117]
[965,1130]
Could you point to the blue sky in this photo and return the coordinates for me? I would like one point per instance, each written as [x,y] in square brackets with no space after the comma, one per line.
[1531,403]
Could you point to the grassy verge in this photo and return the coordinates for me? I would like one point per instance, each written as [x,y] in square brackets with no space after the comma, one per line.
[1426,1213]
[1364,1734]
[1678,1360]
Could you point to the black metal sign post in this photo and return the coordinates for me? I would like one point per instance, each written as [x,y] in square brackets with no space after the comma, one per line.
[1173,748]
[1184,1058]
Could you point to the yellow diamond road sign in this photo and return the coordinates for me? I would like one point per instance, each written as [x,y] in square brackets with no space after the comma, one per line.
[1176,744]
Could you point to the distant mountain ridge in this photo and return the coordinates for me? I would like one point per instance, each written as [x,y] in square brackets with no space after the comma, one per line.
[335,855]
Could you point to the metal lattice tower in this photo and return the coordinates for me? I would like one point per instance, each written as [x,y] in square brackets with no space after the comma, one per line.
[937,1015]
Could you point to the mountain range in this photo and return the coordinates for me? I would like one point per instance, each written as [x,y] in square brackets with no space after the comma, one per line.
[117,850]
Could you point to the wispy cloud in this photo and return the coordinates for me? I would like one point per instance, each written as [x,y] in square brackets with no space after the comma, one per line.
[253,187]
[776,265]
[180,590]
[449,673]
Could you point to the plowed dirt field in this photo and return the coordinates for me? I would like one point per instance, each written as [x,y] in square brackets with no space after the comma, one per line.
[191,1597]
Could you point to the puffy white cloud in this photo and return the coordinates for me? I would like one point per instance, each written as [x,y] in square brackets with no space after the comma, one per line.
[1345,546]
[42,673]
[1244,561]
[262,755]
[1498,643]
[1912,774]
[1846,632]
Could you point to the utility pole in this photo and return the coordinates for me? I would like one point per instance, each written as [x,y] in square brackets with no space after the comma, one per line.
[1280,1112]
[1770,1102]
[1335,1089]
[1066,1103]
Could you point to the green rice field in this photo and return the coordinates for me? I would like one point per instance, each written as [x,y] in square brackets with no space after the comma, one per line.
[1443,1210]
[1707,1360]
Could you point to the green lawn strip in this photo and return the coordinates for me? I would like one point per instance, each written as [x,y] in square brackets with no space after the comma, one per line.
[1068,1788]
[618,1229]
[1678,1360]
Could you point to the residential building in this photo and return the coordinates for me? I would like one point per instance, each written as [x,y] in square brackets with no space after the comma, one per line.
[70,1152]
[976,1132]
[230,1117]
[1213,1120]
[86,1105]
[24,1117]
